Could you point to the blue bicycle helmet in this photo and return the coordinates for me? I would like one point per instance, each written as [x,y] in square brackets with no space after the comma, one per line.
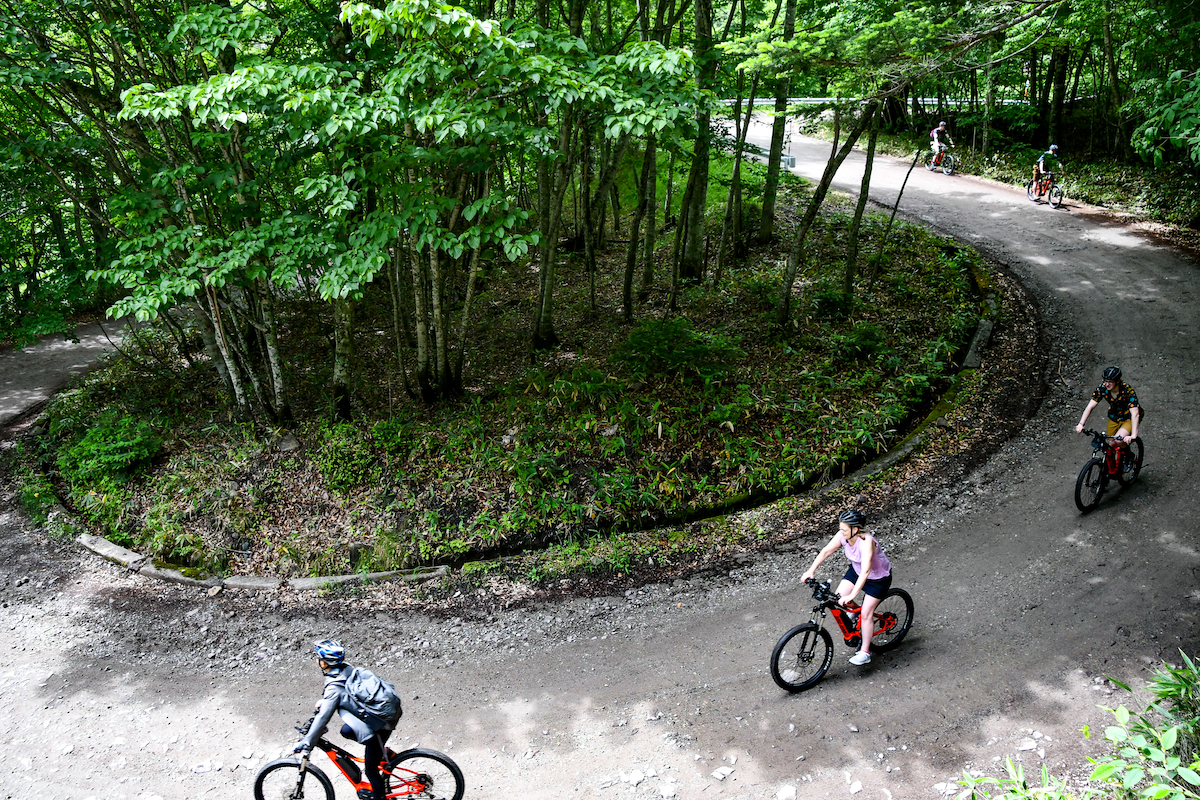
[329,651]
[1112,374]
[853,518]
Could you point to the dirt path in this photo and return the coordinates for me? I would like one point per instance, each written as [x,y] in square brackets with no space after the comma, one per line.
[121,687]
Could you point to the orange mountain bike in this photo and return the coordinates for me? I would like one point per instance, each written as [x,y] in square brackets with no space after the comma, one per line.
[1045,185]
[416,772]
[803,655]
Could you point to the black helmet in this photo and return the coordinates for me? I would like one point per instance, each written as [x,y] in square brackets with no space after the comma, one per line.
[853,518]
[1054,147]
[1112,374]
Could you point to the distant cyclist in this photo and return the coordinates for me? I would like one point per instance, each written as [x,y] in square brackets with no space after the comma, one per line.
[939,138]
[1039,168]
[331,658]
[1124,413]
[870,572]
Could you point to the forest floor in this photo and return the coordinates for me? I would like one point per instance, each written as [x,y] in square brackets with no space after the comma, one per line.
[123,687]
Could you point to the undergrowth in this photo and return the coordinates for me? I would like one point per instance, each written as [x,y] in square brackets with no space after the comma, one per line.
[622,428]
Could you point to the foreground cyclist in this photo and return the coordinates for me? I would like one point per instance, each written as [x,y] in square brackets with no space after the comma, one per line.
[364,729]
[1040,167]
[1122,404]
[936,136]
[869,572]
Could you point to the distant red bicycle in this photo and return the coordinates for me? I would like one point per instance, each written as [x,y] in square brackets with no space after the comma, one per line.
[1045,185]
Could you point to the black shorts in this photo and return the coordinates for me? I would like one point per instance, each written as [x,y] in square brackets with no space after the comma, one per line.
[877,588]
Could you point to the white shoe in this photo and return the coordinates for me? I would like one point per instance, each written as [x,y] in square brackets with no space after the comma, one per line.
[860,658]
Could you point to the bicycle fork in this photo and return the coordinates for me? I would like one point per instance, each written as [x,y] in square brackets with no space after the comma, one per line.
[298,792]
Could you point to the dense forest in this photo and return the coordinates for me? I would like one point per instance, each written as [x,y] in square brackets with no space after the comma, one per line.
[512,272]
[214,159]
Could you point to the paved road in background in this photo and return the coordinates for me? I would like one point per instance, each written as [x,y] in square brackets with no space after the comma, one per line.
[118,687]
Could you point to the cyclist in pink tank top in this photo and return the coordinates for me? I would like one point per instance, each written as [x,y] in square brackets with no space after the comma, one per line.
[870,572]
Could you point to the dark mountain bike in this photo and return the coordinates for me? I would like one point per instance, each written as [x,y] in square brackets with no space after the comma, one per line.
[416,772]
[803,655]
[1045,185]
[1109,461]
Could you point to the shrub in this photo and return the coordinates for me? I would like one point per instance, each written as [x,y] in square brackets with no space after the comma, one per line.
[345,457]
[114,448]
[672,346]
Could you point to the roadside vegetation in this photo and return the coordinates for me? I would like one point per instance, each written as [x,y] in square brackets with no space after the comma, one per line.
[676,417]
[1155,751]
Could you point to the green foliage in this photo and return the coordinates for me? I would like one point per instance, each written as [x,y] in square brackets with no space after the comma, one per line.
[1016,786]
[345,457]
[114,448]
[1173,120]
[672,346]
[35,492]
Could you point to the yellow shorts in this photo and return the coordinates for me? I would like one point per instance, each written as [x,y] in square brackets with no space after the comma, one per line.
[1114,426]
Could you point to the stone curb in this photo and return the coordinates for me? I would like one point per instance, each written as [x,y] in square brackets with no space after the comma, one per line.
[136,562]
[113,552]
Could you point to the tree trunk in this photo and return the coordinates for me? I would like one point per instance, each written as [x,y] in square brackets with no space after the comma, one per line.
[635,228]
[730,227]
[282,404]
[343,358]
[1062,65]
[989,78]
[650,182]
[863,191]
[796,254]
[766,226]
[691,260]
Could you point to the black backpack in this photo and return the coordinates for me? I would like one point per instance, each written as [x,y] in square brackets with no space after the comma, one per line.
[372,699]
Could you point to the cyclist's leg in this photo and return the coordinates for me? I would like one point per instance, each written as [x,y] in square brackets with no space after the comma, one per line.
[371,759]
[868,622]
[848,581]
[873,592]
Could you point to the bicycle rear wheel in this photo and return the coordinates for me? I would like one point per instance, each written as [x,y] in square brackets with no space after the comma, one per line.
[1055,196]
[423,773]
[893,618]
[1134,455]
[948,164]
[280,780]
[1031,190]
[801,657]
[1090,485]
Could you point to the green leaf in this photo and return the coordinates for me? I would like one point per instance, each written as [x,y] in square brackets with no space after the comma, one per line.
[1189,775]
[1133,777]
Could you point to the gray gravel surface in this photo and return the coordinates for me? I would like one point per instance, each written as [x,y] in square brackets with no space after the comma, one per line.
[118,686]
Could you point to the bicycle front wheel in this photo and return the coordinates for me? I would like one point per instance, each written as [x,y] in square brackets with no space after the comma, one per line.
[948,164]
[280,780]
[423,773]
[1131,463]
[893,618]
[1055,196]
[1090,485]
[801,657]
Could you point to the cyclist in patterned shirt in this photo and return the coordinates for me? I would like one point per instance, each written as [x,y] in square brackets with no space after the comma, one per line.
[1122,403]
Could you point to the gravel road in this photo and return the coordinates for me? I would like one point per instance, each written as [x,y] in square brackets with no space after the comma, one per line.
[122,687]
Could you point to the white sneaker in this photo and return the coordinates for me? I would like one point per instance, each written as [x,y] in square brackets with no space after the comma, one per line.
[860,658]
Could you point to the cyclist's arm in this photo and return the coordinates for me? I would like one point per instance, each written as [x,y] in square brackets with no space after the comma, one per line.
[329,704]
[825,553]
[1087,412]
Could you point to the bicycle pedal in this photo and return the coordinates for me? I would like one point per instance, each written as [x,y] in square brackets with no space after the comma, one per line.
[366,794]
